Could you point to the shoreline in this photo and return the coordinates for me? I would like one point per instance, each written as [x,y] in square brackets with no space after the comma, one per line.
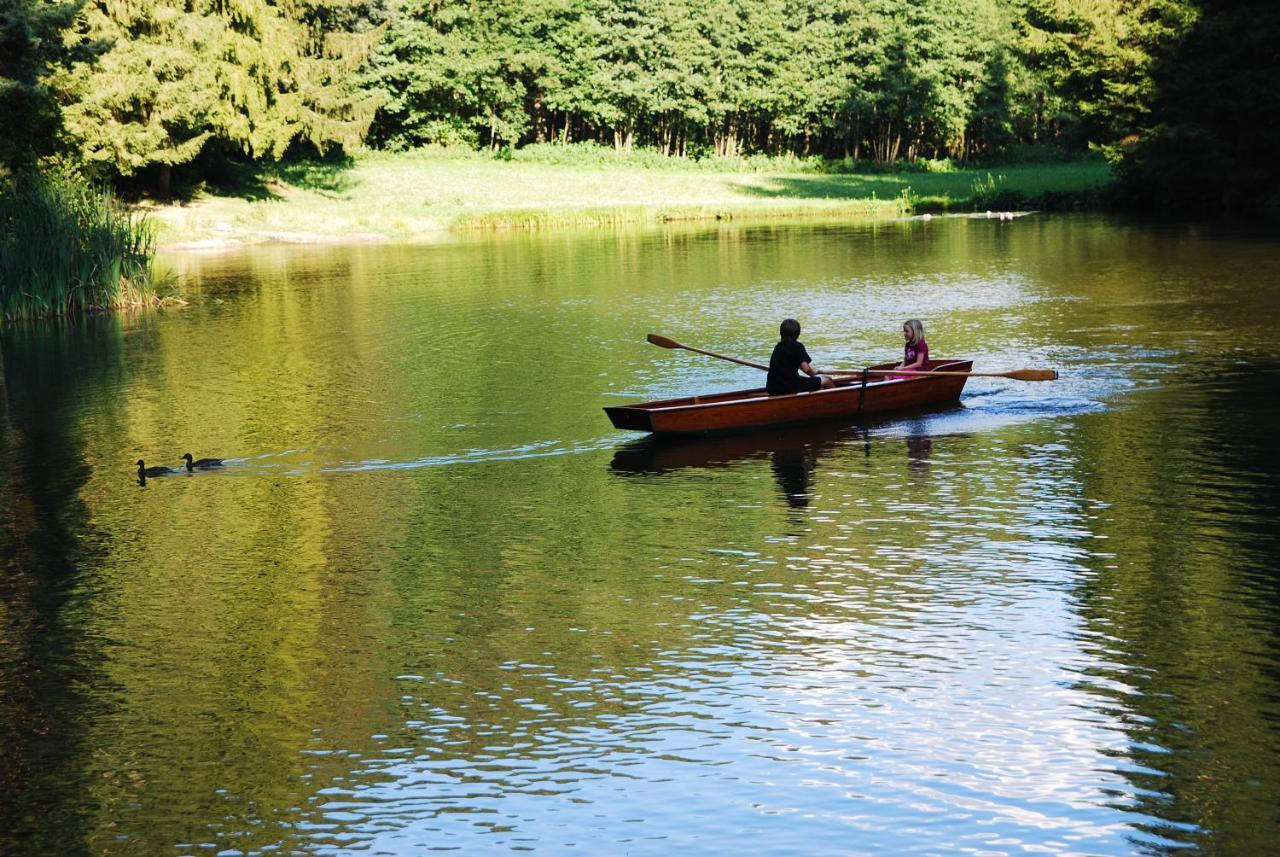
[272,238]
[526,221]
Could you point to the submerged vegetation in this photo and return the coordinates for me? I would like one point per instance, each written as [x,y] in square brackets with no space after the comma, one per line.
[67,247]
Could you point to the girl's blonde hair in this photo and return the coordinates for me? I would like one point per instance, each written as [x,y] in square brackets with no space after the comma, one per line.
[917,329]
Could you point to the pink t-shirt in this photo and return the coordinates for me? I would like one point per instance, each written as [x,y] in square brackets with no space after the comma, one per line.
[914,350]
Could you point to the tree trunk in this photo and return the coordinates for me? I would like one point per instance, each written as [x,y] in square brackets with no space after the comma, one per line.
[623,137]
[539,121]
[726,143]
[164,181]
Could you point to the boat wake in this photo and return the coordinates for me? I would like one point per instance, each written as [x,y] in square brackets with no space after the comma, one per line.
[304,462]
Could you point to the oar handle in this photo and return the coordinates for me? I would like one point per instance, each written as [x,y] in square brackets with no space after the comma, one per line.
[1016,374]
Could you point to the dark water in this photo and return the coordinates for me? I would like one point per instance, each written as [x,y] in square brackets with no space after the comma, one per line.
[436,602]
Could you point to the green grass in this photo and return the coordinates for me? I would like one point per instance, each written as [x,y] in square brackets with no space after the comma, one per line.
[67,247]
[413,195]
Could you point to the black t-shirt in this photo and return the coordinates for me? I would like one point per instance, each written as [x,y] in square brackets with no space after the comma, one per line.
[784,365]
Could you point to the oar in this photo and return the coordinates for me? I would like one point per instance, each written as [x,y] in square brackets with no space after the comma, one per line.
[664,342]
[1015,374]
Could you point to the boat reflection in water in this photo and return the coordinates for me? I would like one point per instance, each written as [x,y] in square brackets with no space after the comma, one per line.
[793,454]
[919,451]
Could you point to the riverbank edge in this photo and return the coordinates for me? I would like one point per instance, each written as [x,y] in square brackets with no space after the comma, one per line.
[232,236]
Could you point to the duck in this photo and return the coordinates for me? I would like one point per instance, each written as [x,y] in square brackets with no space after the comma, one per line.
[144,471]
[200,463]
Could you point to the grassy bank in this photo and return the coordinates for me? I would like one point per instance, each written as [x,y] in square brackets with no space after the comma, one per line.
[67,247]
[407,196]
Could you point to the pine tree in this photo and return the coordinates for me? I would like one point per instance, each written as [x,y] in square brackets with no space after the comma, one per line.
[31,47]
[255,74]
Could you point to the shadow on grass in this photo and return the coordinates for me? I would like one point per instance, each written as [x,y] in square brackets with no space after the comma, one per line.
[329,177]
[1051,187]
[267,181]
[830,187]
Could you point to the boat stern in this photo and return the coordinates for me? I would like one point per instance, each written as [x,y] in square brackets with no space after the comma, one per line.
[634,419]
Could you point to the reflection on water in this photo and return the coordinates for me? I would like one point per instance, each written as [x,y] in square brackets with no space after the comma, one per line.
[437,603]
[793,454]
[793,468]
[918,451]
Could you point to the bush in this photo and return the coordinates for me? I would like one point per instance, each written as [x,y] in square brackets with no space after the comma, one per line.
[67,247]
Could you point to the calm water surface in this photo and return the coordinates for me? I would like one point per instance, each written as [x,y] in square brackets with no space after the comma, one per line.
[437,602]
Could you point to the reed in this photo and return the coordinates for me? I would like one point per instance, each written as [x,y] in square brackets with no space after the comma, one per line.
[67,247]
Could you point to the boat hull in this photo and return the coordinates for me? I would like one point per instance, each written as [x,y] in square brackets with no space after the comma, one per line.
[749,410]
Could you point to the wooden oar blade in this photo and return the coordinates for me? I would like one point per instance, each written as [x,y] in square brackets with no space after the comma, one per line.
[1033,374]
[662,341]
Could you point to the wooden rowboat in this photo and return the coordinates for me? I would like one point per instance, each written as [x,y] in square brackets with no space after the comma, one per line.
[748,410]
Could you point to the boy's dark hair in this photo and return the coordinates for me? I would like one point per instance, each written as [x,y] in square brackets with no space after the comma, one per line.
[789,329]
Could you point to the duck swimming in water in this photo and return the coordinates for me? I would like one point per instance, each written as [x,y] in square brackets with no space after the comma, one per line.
[200,463]
[144,471]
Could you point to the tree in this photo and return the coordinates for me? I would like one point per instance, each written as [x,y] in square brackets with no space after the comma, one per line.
[31,47]
[1096,57]
[179,73]
[1212,140]
[453,70]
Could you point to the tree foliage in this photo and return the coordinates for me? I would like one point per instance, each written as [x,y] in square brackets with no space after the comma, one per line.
[142,84]
[1211,141]
[255,74]
[1095,58]
[30,50]
[891,78]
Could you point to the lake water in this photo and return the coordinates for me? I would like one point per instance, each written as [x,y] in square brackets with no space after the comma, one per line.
[435,601]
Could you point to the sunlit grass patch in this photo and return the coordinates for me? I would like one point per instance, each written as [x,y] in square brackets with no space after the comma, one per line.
[412,195]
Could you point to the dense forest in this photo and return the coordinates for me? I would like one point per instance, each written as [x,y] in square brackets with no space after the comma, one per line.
[1180,93]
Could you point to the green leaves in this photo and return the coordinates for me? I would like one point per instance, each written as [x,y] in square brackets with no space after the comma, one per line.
[255,75]
[30,50]
[150,84]
[740,75]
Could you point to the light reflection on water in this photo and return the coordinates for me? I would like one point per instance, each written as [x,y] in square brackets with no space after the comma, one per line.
[434,602]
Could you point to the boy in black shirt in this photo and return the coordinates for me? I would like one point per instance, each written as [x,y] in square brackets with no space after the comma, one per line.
[789,357]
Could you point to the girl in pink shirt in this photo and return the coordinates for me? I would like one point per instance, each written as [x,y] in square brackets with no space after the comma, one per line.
[916,353]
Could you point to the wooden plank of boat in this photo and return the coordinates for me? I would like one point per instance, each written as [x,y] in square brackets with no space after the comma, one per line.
[745,410]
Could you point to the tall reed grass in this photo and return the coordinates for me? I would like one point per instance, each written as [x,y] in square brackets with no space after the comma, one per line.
[67,247]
